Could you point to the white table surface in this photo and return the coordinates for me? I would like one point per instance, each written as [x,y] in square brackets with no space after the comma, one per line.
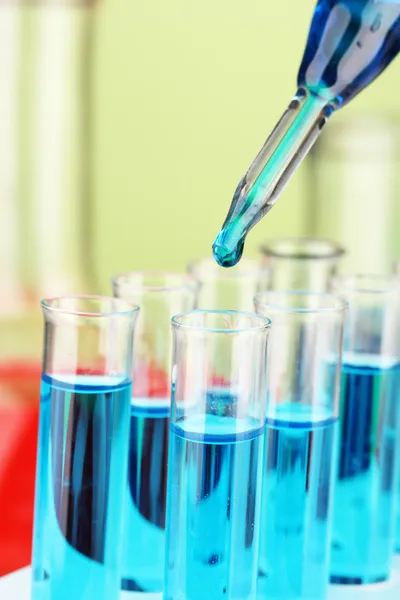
[17,587]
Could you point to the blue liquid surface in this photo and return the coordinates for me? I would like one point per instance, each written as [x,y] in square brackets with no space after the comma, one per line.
[364,503]
[82,465]
[297,503]
[350,43]
[213,508]
[144,528]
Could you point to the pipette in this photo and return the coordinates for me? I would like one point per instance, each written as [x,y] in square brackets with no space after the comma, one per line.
[349,44]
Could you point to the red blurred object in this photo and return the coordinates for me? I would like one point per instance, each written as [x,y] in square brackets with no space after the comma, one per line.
[218,380]
[150,381]
[19,412]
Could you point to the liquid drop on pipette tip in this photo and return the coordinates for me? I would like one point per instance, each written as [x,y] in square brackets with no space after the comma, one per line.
[226,257]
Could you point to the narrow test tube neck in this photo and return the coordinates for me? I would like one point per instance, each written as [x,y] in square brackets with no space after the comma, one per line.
[268,175]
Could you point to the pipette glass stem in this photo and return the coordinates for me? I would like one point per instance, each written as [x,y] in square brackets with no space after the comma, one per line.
[270,172]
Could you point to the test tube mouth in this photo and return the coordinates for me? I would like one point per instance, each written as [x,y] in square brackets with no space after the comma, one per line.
[89,306]
[302,248]
[365,284]
[207,268]
[299,302]
[220,321]
[153,281]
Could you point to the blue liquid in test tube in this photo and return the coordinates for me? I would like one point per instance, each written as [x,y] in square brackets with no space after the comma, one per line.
[300,443]
[145,506]
[216,451]
[364,513]
[83,442]
[215,458]
[397,542]
[298,483]
[160,295]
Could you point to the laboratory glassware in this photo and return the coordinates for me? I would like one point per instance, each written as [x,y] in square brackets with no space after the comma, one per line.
[365,492]
[83,447]
[215,455]
[45,221]
[352,165]
[45,148]
[160,296]
[305,349]
[349,44]
[229,289]
[396,271]
[301,263]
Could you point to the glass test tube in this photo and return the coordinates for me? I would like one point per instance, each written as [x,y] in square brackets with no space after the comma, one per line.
[160,296]
[301,439]
[215,456]
[48,53]
[83,447]
[301,263]
[352,164]
[396,271]
[229,289]
[364,507]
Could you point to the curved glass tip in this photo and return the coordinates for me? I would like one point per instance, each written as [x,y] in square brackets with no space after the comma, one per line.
[223,255]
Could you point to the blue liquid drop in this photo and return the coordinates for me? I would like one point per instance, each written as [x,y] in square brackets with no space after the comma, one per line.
[226,257]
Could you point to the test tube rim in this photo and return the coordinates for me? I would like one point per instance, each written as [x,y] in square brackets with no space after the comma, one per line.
[338,282]
[247,267]
[336,251]
[188,282]
[338,304]
[127,308]
[177,324]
